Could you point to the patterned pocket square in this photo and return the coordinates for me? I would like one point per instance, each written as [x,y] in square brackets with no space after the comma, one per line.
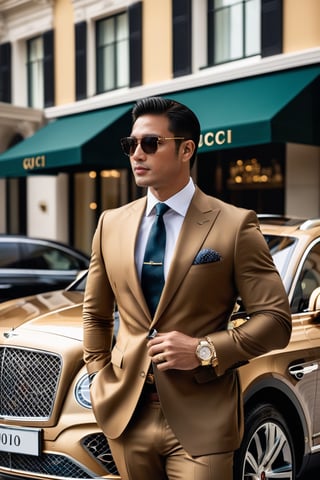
[207,255]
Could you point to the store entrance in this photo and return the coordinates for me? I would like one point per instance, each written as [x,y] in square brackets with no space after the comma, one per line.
[251,177]
[91,193]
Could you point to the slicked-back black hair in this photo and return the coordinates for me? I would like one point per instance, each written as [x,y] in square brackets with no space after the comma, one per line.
[182,121]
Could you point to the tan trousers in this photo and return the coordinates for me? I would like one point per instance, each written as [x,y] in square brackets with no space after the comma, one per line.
[148,450]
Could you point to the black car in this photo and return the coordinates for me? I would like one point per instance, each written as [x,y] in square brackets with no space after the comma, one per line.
[30,265]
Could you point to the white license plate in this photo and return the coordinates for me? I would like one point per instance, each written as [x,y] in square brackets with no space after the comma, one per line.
[20,440]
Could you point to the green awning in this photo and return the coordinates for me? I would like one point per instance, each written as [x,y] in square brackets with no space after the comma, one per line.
[279,107]
[76,142]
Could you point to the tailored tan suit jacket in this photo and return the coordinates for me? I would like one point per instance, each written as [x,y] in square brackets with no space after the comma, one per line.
[203,406]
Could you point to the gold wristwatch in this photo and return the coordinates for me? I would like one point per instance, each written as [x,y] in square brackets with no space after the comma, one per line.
[206,353]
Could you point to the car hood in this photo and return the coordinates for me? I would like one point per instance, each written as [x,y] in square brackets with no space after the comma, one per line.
[57,313]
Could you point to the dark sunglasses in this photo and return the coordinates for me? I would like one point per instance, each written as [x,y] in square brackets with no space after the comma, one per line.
[149,143]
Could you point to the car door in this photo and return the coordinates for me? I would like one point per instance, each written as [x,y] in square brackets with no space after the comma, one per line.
[306,370]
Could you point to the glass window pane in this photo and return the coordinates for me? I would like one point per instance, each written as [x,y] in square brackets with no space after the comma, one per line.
[252,23]
[106,32]
[122,51]
[108,71]
[35,73]
[44,257]
[36,49]
[9,255]
[228,33]
[281,249]
[309,279]
[122,27]
[236,30]
[123,64]
[109,32]
[113,53]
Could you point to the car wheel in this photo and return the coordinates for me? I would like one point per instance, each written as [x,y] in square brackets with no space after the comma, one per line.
[267,449]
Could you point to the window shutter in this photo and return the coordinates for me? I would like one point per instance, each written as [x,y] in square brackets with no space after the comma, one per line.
[5,72]
[48,68]
[135,43]
[210,34]
[271,27]
[81,60]
[181,25]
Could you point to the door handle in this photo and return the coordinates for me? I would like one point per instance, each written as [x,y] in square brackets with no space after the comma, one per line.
[299,371]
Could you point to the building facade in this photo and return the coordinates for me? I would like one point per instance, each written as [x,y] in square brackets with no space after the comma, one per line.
[70,71]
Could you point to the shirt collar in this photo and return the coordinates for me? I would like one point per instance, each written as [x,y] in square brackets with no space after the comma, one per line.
[179,202]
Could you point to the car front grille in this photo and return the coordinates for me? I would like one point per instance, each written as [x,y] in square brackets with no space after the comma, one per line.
[28,382]
[98,447]
[47,464]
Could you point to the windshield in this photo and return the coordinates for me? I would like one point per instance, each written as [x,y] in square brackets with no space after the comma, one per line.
[281,249]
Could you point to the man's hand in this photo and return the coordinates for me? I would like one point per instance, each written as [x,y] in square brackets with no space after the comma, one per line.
[173,350]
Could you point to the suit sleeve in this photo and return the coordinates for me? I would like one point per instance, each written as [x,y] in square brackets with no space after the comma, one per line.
[264,298]
[98,308]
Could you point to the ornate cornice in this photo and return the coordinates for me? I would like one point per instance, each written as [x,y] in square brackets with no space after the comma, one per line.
[7,5]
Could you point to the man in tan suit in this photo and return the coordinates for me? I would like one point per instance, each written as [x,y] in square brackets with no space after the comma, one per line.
[170,406]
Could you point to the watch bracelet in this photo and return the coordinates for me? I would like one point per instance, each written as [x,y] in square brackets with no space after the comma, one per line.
[214,361]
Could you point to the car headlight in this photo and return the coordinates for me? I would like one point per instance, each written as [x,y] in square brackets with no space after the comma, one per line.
[82,391]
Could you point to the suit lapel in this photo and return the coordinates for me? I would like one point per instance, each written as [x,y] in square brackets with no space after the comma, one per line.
[132,222]
[198,222]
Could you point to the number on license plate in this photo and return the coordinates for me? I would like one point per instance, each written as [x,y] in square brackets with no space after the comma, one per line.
[20,440]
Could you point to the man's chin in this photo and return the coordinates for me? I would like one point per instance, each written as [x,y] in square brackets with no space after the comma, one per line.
[142,182]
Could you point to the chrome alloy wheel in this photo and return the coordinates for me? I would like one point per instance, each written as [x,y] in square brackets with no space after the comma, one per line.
[268,455]
[267,450]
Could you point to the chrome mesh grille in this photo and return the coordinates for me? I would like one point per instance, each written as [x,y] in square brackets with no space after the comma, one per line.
[28,382]
[46,465]
[98,447]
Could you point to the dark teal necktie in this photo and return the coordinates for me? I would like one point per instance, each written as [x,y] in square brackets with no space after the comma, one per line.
[152,275]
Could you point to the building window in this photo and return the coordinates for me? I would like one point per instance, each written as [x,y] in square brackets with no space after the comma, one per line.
[112,53]
[40,70]
[35,72]
[233,30]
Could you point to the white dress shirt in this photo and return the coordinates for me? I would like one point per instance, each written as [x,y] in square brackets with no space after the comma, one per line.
[173,219]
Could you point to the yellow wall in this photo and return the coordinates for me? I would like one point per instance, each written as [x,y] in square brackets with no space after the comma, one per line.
[301,25]
[157,41]
[64,52]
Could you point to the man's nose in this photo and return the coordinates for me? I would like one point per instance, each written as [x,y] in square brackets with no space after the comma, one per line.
[138,152]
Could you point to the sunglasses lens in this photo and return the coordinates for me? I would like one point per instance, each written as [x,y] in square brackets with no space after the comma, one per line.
[149,144]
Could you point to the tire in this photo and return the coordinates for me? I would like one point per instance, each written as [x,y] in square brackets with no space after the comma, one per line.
[266,451]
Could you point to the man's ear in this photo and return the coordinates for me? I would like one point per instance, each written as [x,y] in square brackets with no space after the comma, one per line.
[188,148]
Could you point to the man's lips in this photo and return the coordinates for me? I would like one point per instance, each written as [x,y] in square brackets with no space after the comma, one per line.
[140,170]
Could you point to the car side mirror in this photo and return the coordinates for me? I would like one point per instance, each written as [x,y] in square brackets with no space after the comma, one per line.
[314,300]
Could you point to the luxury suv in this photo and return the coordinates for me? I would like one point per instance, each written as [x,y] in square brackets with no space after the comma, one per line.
[33,265]
[47,428]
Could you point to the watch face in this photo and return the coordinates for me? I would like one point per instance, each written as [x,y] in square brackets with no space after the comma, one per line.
[205,353]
